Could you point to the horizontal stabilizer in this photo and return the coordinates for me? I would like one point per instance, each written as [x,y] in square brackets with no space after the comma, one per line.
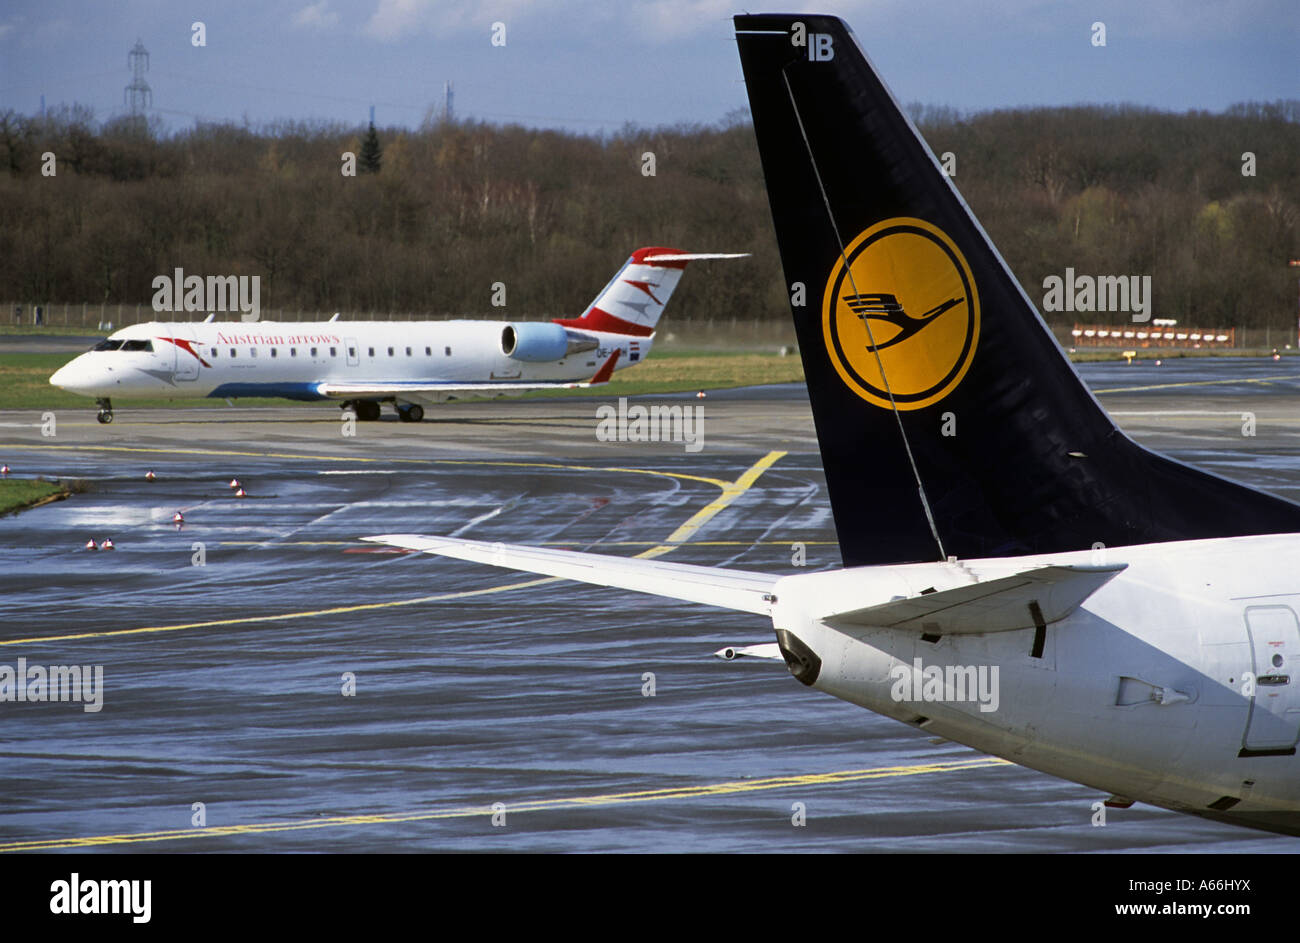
[742,590]
[998,605]
[634,300]
[694,256]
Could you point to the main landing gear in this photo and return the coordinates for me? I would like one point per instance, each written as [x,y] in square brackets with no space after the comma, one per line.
[367,410]
[105,415]
[412,412]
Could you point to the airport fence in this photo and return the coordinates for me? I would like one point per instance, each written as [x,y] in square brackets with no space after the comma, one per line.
[708,333]
[743,333]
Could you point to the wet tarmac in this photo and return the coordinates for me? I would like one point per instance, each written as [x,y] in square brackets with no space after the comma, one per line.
[316,693]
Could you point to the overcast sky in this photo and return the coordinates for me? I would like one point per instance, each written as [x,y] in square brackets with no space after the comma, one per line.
[593,65]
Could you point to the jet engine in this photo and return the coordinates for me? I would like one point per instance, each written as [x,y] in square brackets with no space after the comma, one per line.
[534,342]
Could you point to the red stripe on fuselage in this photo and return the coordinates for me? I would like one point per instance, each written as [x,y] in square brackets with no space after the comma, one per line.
[597,320]
[185,345]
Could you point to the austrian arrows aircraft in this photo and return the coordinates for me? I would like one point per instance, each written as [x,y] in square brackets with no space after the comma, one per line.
[364,363]
[1137,616]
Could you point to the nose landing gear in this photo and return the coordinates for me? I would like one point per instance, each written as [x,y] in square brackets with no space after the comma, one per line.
[105,415]
[412,412]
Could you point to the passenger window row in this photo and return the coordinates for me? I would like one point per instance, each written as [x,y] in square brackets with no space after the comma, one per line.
[293,351]
[147,346]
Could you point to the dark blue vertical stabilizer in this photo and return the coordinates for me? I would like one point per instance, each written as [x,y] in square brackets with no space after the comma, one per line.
[950,422]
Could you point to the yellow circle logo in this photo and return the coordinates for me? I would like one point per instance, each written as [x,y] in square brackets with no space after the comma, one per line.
[902,317]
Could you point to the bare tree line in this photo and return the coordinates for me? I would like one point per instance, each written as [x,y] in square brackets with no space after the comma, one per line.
[456,207]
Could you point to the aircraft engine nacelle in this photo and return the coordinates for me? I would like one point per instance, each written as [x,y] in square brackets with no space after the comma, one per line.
[534,342]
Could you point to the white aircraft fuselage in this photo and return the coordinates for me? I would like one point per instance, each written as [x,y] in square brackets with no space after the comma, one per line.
[1173,684]
[364,363]
[302,360]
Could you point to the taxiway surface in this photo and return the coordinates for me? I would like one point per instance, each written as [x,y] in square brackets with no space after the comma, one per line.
[227,644]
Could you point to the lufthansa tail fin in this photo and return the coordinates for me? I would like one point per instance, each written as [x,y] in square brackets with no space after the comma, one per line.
[635,298]
[950,422]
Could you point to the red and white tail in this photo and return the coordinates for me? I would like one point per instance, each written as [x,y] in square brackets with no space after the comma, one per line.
[634,299]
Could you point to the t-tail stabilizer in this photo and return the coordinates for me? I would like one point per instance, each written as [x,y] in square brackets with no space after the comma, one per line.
[635,298]
[950,422]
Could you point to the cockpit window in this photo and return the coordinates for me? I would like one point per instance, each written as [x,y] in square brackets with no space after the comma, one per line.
[146,346]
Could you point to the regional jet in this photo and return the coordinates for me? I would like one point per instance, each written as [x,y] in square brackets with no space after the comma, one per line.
[361,364]
[1136,615]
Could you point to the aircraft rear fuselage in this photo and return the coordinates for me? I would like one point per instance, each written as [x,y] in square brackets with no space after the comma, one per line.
[1174,683]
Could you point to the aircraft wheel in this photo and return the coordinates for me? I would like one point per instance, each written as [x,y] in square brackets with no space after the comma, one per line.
[412,413]
[105,416]
[368,411]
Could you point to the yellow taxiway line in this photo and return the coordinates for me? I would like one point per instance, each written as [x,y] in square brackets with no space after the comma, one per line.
[1171,386]
[310,457]
[710,790]
[731,490]
[277,617]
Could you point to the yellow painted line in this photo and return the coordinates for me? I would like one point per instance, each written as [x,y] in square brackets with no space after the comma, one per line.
[41,502]
[305,456]
[224,453]
[272,542]
[1226,416]
[711,790]
[1171,386]
[716,482]
[280,617]
[730,491]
